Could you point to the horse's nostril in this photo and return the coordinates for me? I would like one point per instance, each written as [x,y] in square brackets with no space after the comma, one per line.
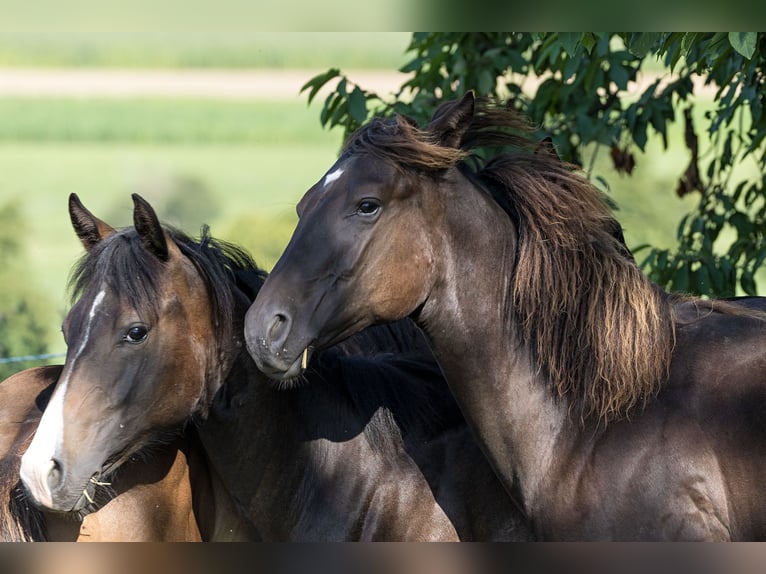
[54,473]
[277,326]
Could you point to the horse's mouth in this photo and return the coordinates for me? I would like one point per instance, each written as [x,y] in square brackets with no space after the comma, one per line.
[286,373]
[98,489]
[95,494]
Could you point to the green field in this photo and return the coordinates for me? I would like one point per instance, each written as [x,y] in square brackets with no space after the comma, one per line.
[226,48]
[161,121]
[201,34]
[243,180]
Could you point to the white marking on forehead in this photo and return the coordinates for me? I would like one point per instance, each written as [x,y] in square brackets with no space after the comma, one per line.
[92,313]
[332,176]
[36,462]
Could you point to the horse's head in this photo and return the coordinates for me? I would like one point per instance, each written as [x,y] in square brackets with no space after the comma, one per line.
[363,251]
[136,362]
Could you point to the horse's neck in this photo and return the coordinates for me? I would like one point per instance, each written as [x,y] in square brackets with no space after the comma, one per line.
[295,459]
[218,516]
[253,445]
[227,362]
[489,370]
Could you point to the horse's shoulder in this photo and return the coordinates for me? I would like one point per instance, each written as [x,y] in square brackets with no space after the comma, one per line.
[29,381]
[23,397]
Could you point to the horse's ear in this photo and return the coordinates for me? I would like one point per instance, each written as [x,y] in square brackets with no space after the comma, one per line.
[148,228]
[89,228]
[451,120]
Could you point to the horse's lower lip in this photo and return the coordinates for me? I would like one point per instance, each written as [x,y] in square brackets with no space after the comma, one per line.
[87,497]
[81,504]
[67,507]
[283,371]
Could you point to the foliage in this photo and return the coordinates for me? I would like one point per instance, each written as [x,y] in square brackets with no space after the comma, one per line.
[264,235]
[182,200]
[22,328]
[616,90]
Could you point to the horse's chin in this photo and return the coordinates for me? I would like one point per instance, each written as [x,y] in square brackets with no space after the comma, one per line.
[96,493]
[85,504]
[284,373]
[278,369]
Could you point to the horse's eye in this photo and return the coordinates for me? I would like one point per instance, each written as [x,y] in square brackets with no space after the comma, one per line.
[368,207]
[136,334]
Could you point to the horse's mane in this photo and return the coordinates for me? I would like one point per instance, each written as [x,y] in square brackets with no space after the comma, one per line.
[134,273]
[599,329]
[387,372]
[20,521]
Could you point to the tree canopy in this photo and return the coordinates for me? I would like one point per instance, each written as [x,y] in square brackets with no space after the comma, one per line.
[616,90]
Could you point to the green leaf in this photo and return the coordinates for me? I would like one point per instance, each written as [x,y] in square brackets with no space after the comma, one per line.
[744,42]
[718,280]
[702,281]
[413,66]
[486,82]
[681,278]
[330,104]
[641,43]
[357,105]
[619,75]
[318,81]
[588,41]
[639,132]
[728,270]
[605,185]
[688,41]
[748,283]
[572,65]
[662,260]
[570,41]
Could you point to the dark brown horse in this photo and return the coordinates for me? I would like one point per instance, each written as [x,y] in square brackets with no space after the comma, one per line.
[149,501]
[622,411]
[362,449]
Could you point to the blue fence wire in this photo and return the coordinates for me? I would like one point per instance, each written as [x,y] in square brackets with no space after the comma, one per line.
[25,358]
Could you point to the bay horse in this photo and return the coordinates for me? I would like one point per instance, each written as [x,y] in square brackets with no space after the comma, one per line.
[365,447]
[149,501]
[620,411]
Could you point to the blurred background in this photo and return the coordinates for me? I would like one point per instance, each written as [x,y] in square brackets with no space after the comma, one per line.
[198,113]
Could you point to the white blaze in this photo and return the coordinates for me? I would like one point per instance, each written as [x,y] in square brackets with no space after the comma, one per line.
[37,462]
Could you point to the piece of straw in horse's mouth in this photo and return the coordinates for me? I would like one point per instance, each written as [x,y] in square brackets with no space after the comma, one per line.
[305,361]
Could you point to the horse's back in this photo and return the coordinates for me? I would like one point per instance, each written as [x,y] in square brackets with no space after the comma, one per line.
[689,464]
[719,371]
[20,409]
[719,360]
[707,422]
